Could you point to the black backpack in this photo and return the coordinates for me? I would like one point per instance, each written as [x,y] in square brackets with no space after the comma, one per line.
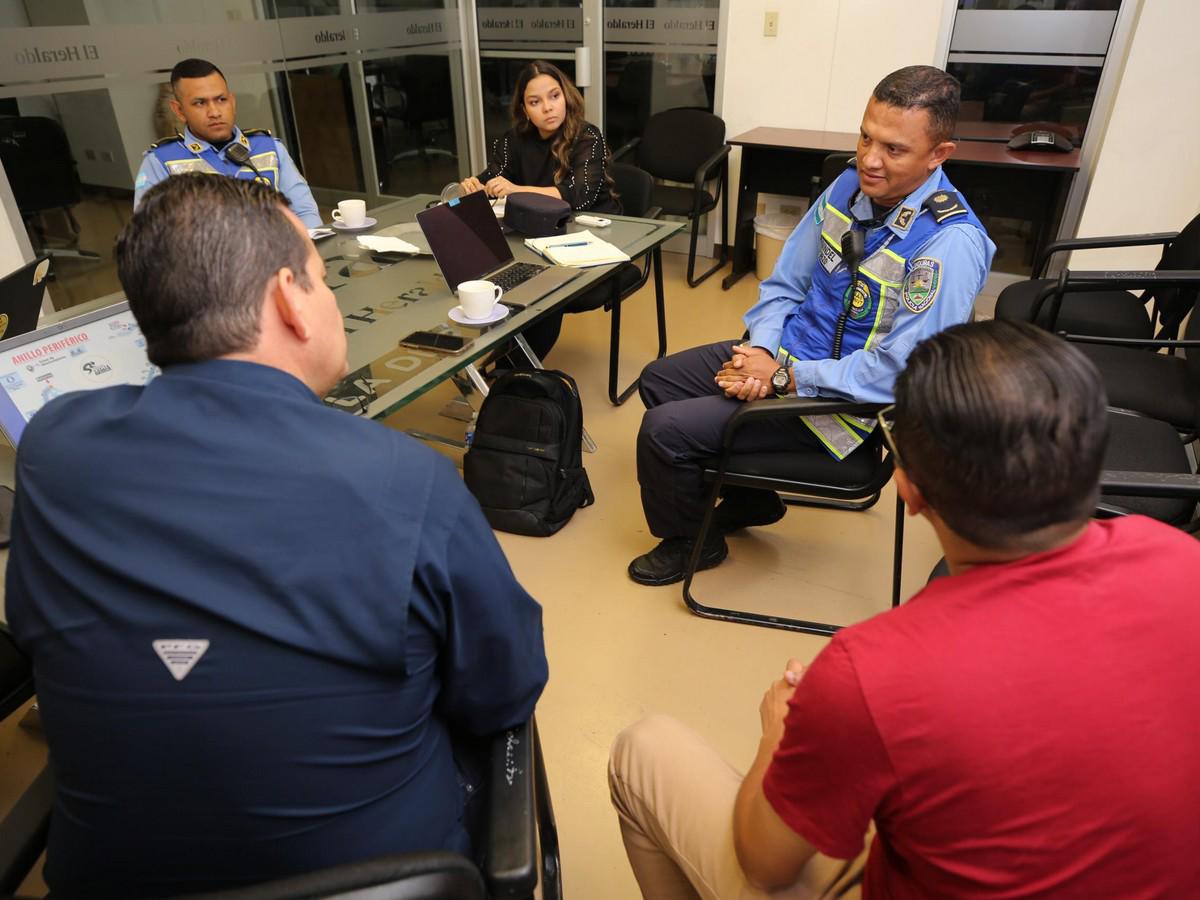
[524,465]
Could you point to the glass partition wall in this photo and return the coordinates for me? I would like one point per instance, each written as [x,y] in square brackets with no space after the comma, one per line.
[373,98]
[367,95]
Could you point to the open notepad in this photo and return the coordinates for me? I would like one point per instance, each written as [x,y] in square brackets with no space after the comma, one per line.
[579,249]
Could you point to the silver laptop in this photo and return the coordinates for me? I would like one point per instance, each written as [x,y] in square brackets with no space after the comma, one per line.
[97,349]
[468,244]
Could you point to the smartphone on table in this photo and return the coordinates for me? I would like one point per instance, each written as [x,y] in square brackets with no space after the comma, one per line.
[440,341]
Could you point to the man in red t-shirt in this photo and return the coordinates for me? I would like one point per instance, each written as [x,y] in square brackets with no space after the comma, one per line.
[1027,727]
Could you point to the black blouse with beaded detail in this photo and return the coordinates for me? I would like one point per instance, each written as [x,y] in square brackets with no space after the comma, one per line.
[527,159]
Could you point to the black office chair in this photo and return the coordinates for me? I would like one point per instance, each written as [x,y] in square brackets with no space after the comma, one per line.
[1147,472]
[42,173]
[635,188]
[1164,387]
[1105,309]
[520,822]
[812,476]
[687,145]
[831,167]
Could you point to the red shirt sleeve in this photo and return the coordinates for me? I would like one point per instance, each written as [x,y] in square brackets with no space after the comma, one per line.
[831,770]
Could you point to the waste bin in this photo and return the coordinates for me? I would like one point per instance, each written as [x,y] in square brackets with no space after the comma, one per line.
[770,231]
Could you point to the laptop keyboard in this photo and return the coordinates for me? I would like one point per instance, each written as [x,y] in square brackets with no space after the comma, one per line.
[516,274]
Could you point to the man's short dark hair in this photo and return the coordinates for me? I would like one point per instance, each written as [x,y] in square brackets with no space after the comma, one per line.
[195,259]
[193,68]
[1003,428]
[927,88]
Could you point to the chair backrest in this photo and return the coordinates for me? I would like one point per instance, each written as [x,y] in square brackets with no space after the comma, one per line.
[16,676]
[1183,253]
[634,187]
[831,167]
[37,158]
[677,141]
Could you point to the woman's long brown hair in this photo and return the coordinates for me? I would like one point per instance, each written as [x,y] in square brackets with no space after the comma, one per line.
[573,121]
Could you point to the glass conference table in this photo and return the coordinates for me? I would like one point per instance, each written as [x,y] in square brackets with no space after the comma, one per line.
[383,302]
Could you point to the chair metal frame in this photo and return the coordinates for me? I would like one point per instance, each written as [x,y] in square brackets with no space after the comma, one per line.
[1168,323]
[653,261]
[853,497]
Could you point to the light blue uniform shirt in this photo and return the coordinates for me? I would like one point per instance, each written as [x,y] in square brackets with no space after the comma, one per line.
[288,182]
[867,376]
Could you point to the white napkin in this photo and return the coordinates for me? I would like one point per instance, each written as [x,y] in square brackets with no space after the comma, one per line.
[387,244]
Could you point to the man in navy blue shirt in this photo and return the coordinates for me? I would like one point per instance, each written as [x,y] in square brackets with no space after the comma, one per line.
[261,628]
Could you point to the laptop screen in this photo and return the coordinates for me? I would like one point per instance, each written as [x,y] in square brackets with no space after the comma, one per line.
[97,349]
[465,238]
[21,297]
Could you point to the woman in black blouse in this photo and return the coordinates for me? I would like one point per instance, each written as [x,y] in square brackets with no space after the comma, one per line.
[550,149]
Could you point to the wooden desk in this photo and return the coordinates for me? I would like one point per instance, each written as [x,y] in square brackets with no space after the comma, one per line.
[785,161]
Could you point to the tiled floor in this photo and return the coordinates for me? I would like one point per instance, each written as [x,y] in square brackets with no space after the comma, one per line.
[618,650]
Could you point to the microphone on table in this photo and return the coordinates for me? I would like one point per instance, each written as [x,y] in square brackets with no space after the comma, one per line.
[240,155]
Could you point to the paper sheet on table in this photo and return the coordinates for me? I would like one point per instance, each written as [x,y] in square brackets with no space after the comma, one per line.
[387,244]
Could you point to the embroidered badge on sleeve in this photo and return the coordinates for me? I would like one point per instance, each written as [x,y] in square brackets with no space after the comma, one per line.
[921,284]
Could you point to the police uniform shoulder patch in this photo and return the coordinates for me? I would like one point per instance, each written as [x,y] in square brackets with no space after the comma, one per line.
[921,284]
[162,142]
[944,205]
[253,131]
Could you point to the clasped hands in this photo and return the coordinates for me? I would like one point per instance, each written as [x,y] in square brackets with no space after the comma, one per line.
[495,187]
[747,376]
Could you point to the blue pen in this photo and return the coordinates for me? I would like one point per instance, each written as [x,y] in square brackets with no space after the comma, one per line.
[576,244]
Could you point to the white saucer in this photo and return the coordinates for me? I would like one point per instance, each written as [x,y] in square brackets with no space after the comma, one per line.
[498,313]
[368,222]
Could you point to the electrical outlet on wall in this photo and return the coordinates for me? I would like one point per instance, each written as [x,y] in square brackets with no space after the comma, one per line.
[770,24]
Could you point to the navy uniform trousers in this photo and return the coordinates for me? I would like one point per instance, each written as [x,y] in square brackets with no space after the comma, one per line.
[685,417]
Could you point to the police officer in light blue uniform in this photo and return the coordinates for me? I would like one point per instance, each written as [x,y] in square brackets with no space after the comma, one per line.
[888,255]
[212,143]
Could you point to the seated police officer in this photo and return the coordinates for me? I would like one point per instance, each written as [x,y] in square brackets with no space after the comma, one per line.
[263,630]
[212,142]
[888,255]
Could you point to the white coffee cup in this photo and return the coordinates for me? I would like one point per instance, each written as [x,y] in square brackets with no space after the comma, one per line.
[351,213]
[479,298]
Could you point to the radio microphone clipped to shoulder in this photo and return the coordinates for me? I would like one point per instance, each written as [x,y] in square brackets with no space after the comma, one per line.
[239,154]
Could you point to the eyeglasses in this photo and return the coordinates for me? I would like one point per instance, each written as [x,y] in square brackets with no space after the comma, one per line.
[886,423]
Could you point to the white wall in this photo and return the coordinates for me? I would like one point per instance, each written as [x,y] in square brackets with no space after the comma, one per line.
[818,73]
[1147,176]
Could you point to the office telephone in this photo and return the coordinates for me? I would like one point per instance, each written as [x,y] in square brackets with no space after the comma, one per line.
[1041,140]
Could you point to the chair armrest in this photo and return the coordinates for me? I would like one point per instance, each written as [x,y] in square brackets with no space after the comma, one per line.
[792,406]
[511,868]
[625,148]
[23,832]
[1082,282]
[1150,484]
[1138,343]
[1100,243]
[703,170]
[652,213]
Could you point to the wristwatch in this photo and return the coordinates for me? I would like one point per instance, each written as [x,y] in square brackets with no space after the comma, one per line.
[780,380]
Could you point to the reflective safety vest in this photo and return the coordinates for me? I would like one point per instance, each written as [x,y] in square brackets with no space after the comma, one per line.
[179,156]
[873,305]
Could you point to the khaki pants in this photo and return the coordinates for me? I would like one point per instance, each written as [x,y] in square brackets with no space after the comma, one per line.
[674,795]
